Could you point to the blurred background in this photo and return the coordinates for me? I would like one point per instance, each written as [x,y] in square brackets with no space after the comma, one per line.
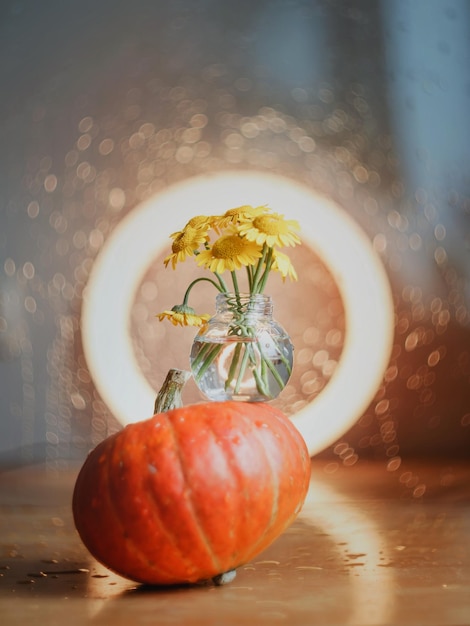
[105,104]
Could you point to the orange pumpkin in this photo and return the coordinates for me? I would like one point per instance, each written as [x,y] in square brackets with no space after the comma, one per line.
[191,493]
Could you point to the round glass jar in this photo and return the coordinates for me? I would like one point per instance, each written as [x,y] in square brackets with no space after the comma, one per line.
[242,353]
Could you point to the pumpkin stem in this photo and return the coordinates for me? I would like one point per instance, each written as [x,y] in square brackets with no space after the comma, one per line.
[169,396]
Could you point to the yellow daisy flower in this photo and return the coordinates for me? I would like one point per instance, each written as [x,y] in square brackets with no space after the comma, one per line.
[272,229]
[199,220]
[238,215]
[229,252]
[184,315]
[185,242]
[283,265]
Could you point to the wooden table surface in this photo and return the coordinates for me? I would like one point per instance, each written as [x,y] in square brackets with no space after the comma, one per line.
[370,547]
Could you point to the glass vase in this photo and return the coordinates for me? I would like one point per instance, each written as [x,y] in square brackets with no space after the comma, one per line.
[242,353]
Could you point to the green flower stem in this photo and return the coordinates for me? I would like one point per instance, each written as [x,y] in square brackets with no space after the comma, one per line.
[274,372]
[223,286]
[264,372]
[259,267]
[268,262]
[262,377]
[271,367]
[249,357]
[235,284]
[242,358]
[233,365]
[261,383]
[259,372]
[241,372]
[285,361]
[207,355]
[249,273]
[198,280]
[203,353]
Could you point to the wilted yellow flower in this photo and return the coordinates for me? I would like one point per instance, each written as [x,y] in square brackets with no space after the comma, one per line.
[229,252]
[184,315]
[271,229]
[283,265]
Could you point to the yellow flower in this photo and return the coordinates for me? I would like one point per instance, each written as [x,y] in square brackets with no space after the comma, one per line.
[203,223]
[183,315]
[238,215]
[283,265]
[229,252]
[200,222]
[185,243]
[272,229]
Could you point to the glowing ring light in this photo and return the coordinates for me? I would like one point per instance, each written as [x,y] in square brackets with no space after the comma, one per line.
[331,233]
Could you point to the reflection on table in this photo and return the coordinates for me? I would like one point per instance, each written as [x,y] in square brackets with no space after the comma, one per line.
[363,551]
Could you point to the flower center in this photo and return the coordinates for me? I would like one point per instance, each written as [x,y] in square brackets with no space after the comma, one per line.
[268,224]
[227,247]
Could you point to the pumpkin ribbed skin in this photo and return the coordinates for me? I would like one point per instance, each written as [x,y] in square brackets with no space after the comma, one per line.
[191,493]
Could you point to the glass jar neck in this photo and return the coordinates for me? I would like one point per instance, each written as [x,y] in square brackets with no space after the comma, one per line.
[257,304]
